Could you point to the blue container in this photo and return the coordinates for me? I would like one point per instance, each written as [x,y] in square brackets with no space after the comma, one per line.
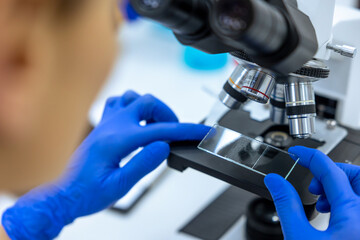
[199,60]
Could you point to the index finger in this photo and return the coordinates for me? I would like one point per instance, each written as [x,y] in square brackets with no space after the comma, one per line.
[117,103]
[353,173]
[152,109]
[335,182]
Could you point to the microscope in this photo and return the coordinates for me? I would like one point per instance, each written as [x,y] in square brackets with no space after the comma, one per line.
[295,57]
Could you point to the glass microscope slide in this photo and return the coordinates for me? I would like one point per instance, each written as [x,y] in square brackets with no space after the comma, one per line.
[247,152]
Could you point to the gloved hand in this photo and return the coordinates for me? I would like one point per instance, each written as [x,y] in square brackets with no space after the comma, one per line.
[93,181]
[339,187]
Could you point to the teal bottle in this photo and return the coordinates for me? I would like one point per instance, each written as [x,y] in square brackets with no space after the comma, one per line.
[199,60]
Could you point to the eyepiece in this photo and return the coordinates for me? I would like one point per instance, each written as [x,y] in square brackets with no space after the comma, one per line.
[183,17]
[234,17]
[254,25]
[151,4]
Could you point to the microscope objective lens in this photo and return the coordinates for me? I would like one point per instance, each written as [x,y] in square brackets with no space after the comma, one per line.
[300,108]
[278,105]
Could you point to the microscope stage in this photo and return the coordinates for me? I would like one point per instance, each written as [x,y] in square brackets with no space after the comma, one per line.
[184,155]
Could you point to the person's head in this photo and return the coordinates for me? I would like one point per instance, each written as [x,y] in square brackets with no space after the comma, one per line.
[54,57]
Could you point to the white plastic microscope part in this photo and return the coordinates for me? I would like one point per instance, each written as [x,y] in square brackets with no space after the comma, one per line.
[343,84]
[321,13]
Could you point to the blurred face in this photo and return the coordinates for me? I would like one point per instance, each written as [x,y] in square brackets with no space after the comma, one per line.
[53,60]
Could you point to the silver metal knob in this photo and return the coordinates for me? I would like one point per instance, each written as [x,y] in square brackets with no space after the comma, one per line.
[344,50]
[331,124]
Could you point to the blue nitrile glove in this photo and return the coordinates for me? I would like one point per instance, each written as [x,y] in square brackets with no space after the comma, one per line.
[339,187]
[93,180]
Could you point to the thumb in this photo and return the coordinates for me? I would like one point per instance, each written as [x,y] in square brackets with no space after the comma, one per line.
[139,166]
[288,206]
